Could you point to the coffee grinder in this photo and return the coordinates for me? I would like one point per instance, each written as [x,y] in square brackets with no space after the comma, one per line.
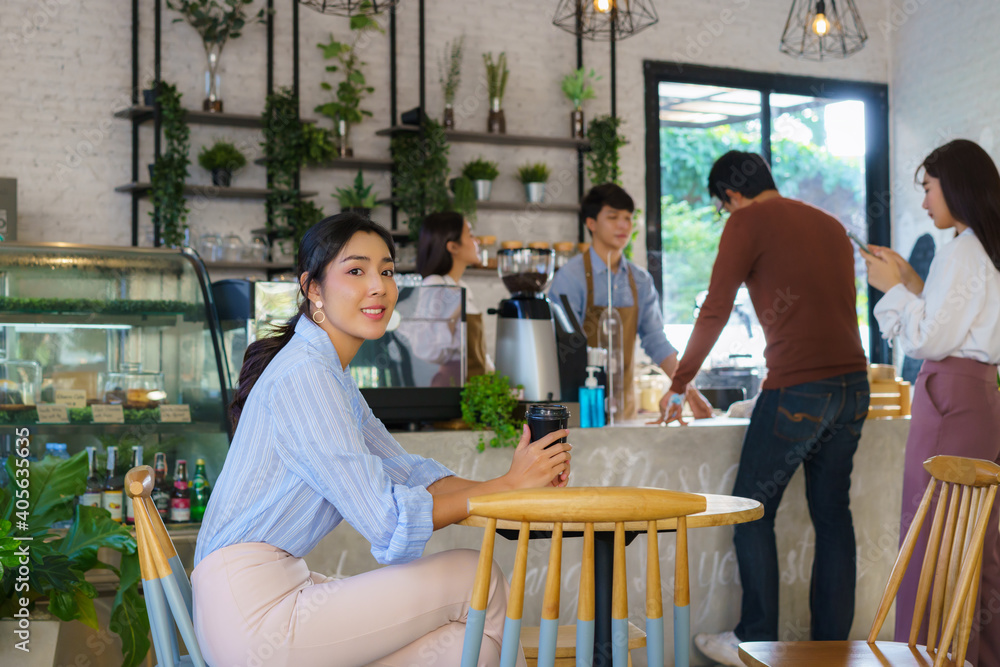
[540,345]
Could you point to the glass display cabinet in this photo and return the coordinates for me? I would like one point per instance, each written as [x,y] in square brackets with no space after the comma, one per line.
[103,346]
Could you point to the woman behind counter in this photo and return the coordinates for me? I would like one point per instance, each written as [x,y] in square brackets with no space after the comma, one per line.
[446,248]
[953,324]
[307,454]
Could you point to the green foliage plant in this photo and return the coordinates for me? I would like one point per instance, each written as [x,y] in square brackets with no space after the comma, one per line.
[286,146]
[496,75]
[480,169]
[488,402]
[464,201]
[351,90]
[221,155]
[538,172]
[606,141]
[357,196]
[420,166]
[450,69]
[318,144]
[171,169]
[577,87]
[216,21]
[58,562]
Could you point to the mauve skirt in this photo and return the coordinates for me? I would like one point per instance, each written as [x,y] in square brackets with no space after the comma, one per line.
[956,410]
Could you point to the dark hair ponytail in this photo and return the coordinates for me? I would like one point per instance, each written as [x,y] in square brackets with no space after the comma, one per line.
[436,231]
[320,245]
[970,184]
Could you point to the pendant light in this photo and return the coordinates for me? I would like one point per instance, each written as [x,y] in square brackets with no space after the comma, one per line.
[349,7]
[602,19]
[823,29]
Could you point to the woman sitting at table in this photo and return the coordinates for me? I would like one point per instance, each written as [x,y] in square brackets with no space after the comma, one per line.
[446,249]
[307,454]
[953,323]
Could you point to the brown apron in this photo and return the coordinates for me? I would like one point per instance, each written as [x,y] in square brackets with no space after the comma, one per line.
[630,327]
[475,362]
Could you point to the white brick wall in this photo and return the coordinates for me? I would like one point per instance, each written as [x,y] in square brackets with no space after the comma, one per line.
[945,85]
[65,67]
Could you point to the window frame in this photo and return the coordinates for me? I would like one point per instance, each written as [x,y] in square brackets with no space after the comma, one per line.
[877,187]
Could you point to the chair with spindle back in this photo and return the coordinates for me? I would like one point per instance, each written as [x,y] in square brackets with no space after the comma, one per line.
[585,510]
[165,585]
[949,579]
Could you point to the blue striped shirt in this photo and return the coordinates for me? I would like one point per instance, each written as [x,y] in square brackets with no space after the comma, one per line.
[307,454]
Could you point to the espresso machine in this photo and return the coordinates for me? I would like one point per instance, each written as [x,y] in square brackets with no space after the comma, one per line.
[540,344]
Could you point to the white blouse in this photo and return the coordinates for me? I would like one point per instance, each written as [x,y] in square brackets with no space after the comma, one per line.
[957,314]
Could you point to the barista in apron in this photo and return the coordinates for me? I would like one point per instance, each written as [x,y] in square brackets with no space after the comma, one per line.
[630,318]
[608,210]
[446,248]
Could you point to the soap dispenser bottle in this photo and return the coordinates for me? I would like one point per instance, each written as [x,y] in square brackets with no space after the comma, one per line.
[591,401]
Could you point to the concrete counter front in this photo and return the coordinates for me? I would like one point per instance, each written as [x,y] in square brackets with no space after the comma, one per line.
[700,458]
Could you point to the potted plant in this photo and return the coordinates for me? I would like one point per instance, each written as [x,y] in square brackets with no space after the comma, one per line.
[488,402]
[496,84]
[577,88]
[534,177]
[482,173]
[420,170]
[58,562]
[345,107]
[359,198]
[605,142]
[217,21]
[222,159]
[450,74]
[170,171]
[319,145]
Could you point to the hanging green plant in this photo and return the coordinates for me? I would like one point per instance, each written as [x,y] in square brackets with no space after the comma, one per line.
[420,166]
[464,201]
[605,143]
[170,171]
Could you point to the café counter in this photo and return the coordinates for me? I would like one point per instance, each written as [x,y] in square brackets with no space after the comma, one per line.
[702,458]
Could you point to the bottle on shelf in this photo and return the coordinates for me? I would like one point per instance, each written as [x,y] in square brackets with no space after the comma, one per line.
[161,490]
[129,509]
[200,491]
[114,487]
[95,485]
[180,498]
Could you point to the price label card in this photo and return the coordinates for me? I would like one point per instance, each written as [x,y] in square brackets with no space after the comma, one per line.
[108,414]
[72,398]
[177,414]
[53,413]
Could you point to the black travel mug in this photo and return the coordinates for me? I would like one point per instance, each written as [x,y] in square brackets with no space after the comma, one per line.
[544,418]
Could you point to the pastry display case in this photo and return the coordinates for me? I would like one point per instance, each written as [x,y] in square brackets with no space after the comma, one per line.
[112,346]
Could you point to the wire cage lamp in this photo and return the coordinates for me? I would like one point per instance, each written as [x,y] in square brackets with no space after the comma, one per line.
[601,20]
[349,7]
[823,29]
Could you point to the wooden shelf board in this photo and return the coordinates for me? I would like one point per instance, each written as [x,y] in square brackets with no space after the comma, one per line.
[526,207]
[346,163]
[208,191]
[248,266]
[197,117]
[462,136]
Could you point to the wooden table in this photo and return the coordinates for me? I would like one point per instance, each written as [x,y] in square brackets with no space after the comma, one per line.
[720,511]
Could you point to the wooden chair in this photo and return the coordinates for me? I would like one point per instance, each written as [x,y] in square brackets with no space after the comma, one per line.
[890,395]
[948,585]
[585,510]
[165,585]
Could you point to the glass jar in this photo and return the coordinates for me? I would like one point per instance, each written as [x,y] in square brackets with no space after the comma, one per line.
[511,245]
[210,247]
[132,387]
[565,250]
[232,248]
[487,251]
[582,248]
[256,250]
[20,383]
[540,245]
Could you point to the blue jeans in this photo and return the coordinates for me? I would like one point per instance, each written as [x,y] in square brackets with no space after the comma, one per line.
[817,424]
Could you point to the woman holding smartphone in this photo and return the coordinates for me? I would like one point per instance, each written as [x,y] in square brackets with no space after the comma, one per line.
[307,454]
[953,323]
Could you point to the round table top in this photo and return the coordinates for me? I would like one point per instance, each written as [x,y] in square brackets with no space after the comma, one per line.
[720,511]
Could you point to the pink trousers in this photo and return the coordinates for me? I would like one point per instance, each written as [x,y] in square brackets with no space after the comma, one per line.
[256,605]
[956,410]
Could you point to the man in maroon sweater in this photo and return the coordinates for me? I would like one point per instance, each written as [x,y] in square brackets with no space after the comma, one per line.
[798,265]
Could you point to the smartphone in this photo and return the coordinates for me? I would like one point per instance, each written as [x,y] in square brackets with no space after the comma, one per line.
[861,244]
